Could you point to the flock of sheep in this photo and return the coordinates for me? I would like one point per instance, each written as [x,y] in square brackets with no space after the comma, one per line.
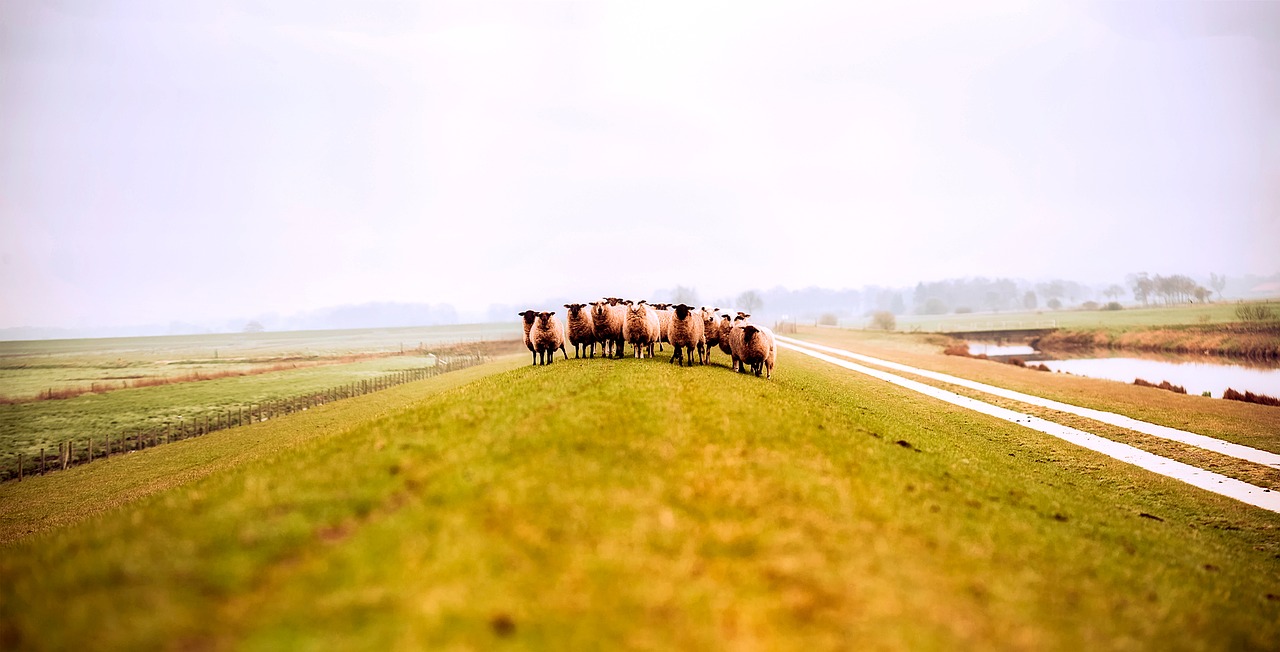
[614,322]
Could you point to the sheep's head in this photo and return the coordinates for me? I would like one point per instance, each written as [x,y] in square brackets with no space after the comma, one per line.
[682,311]
[598,309]
[613,301]
[544,318]
[574,308]
[749,332]
[528,315]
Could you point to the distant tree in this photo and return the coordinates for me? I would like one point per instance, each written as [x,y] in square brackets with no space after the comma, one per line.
[883,320]
[1113,292]
[1029,300]
[1054,303]
[750,301]
[687,296]
[828,319]
[934,306]
[254,326]
[1142,286]
[1053,291]
[1202,294]
[1219,283]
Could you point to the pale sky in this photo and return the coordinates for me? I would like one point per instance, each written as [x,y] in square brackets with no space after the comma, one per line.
[204,160]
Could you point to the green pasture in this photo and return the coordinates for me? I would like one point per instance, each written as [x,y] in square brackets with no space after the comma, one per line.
[27,427]
[28,368]
[631,504]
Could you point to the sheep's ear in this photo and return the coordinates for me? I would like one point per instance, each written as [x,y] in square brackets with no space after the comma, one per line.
[567,306]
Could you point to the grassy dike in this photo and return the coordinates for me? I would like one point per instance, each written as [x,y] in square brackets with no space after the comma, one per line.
[606,504]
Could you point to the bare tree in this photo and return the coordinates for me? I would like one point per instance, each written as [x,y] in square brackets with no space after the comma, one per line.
[1113,292]
[1219,283]
[750,301]
[685,295]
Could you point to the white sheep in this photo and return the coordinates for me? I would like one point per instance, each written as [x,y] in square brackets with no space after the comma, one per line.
[688,334]
[547,336]
[641,328]
[582,330]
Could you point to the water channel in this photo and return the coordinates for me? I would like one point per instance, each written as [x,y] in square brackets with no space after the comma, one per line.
[1198,374]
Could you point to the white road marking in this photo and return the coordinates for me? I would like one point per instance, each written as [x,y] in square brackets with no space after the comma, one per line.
[1197,477]
[1247,453]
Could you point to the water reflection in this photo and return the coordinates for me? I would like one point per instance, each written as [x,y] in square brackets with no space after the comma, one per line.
[1196,377]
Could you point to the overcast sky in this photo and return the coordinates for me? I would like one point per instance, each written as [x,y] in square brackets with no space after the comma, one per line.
[190,160]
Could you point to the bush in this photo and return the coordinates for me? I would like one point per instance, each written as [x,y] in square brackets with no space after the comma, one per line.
[1090,305]
[963,310]
[1113,305]
[1254,312]
[828,319]
[883,320]
[1250,397]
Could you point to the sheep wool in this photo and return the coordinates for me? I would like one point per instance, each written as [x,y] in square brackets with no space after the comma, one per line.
[547,336]
[582,330]
[687,334]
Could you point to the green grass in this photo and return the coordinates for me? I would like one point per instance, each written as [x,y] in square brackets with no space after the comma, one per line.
[27,427]
[1214,313]
[632,504]
[29,368]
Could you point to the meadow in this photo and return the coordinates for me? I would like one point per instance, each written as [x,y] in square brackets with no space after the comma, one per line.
[632,504]
[183,380]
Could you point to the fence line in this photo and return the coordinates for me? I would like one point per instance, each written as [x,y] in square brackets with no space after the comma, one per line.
[83,451]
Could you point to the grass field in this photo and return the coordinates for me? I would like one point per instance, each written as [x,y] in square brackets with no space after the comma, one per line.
[1213,313]
[29,368]
[632,504]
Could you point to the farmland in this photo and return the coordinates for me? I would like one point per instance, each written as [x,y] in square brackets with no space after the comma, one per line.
[1135,317]
[206,377]
[634,504]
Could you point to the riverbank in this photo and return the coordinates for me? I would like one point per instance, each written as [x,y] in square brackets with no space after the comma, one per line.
[1236,340]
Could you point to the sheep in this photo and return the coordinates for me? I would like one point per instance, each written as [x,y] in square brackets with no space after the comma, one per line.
[665,313]
[641,328]
[687,334]
[529,317]
[735,340]
[608,330]
[710,329]
[547,336]
[582,330]
[759,349]
[726,326]
[616,317]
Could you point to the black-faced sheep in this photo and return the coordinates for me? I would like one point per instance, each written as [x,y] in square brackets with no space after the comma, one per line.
[735,340]
[641,328]
[529,317]
[710,329]
[724,328]
[758,349]
[687,334]
[582,330]
[547,336]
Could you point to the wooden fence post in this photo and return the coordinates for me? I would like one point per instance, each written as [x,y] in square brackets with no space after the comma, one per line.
[91,449]
[19,467]
[64,452]
[42,460]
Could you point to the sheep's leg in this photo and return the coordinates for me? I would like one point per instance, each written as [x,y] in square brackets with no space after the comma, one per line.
[535,358]
[562,351]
